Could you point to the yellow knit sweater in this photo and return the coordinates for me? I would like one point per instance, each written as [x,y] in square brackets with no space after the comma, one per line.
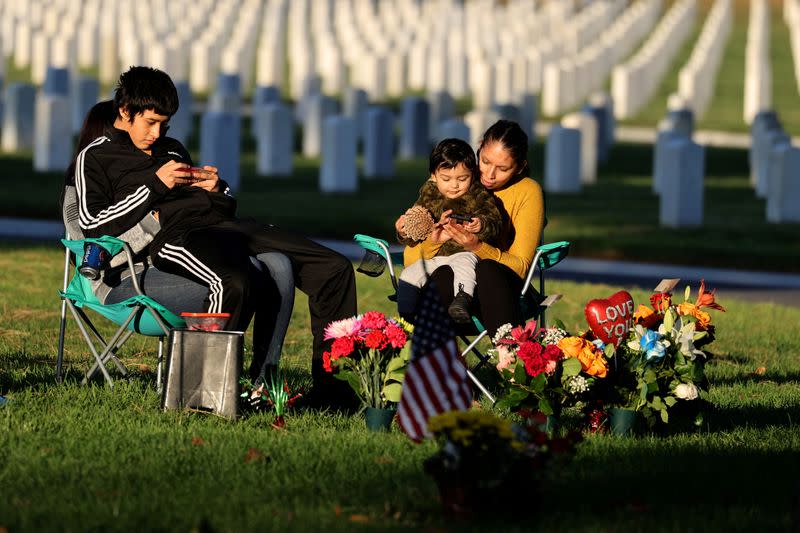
[523,203]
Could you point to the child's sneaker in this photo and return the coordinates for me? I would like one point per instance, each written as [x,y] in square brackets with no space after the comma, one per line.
[459,309]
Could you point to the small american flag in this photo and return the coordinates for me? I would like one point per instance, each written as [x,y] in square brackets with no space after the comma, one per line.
[436,378]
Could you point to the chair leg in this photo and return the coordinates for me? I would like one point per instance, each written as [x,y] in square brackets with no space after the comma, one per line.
[62,330]
[159,365]
[480,386]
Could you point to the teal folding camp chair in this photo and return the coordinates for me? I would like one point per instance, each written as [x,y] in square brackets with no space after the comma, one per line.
[138,314]
[378,258]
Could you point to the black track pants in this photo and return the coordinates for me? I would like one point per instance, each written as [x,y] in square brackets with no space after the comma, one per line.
[324,275]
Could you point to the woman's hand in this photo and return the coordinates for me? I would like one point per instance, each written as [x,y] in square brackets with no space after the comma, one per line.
[209,179]
[173,173]
[458,233]
[400,226]
[437,235]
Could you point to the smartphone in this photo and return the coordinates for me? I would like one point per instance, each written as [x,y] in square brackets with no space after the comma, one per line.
[196,172]
[461,218]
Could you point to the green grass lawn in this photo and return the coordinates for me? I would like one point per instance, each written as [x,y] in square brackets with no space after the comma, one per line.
[87,458]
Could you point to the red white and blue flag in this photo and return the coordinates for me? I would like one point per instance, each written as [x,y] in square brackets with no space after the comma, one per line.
[436,378]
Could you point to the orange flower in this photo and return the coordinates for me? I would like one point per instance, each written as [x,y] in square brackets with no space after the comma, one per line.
[706,299]
[646,317]
[571,346]
[592,361]
[690,309]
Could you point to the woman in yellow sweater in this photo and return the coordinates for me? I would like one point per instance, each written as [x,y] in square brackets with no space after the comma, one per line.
[500,273]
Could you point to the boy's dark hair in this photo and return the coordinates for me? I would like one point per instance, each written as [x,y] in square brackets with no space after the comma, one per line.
[143,88]
[510,135]
[449,153]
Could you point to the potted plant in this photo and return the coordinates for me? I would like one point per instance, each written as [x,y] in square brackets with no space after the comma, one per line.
[370,352]
[661,366]
[545,369]
[482,458]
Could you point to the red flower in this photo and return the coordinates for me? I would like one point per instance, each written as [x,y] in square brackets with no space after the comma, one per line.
[532,354]
[553,353]
[396,335]
[376,340]
[373,320]
[326,362]
[661,301]
[342,347]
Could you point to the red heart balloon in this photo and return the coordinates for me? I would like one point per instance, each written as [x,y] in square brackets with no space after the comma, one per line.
[609,319]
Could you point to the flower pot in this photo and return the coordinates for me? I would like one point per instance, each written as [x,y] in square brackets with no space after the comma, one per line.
[622,421]
[379,419]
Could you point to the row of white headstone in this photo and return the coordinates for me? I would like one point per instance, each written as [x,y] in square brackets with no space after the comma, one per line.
[635,81]
[386,48]
[570,81]
[757,66]
[791,15]
[698,76]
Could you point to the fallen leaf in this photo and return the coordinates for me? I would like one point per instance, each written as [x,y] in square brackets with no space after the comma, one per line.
[198,441]
[144,369]
[359,518]
[384,460]
[252,455]
[337,511]
[760,371]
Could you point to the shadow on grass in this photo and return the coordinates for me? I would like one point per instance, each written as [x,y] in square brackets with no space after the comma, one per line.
[722,419]
[768,377]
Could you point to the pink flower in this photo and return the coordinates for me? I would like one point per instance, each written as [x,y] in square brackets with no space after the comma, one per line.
[521,334]
[348,327]
[373,320]
[505,358]
[550,367]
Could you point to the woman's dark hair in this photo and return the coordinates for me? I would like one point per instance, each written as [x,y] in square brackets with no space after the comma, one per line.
[97,122]
[142,88]
[449,153]
[509,134]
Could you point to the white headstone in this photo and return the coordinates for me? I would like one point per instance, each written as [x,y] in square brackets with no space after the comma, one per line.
[562,165]
[108,68]
[52,131]
[681,200]
[56,81]
[454,128]
[783,199]
[181,123]
[355,103]
[441,107]
[337,173]
[766,144]
[414,128]
[227,94]
[586,123]
[379,143]
[763,121]
[318,108]
[18,113]
[85,93]
[274,139]
[663,138]
[220,146]
[478,122]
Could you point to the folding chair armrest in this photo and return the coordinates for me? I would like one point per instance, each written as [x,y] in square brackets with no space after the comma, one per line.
[547,256]
[113,246]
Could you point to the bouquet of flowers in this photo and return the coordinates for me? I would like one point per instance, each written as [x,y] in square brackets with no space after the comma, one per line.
[370,352]
[664,357]
[545,369]
[480,453]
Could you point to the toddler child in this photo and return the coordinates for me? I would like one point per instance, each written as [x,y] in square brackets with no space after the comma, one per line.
[452,190]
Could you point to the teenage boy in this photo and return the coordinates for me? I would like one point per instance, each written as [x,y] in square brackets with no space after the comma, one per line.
[137,170]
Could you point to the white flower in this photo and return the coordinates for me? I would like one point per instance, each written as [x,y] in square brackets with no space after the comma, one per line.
[553,335]
[502,331]
[577,385]
[686,391]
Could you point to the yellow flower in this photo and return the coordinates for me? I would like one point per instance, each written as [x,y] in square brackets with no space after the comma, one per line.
[571,346]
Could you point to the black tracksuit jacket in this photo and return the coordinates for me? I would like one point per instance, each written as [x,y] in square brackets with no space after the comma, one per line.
[117,186]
